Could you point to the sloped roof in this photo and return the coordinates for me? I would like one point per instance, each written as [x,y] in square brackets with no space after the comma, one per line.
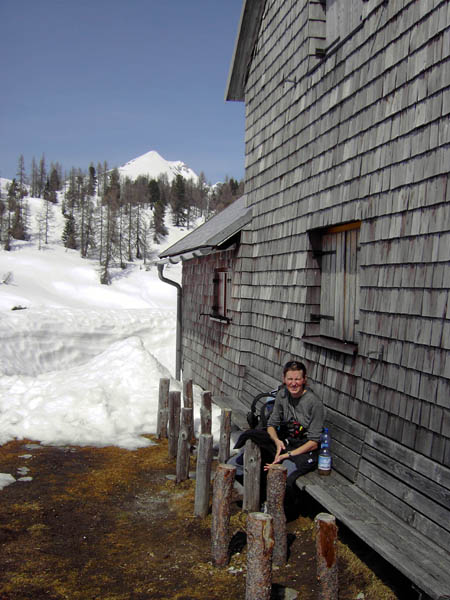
[212,235]
[251,15]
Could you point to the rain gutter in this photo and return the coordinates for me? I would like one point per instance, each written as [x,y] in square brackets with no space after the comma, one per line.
[161,275]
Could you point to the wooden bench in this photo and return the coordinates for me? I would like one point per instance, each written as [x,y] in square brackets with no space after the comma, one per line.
[238,415]
[395,500]
[392,498]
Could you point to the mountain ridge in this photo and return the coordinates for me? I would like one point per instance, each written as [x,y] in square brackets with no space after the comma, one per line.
[153,165]
[150,164]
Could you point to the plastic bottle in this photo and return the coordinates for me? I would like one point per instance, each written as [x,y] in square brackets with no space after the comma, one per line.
[324,464]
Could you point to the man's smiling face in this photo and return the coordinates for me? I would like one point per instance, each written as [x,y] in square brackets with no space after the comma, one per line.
[295,382]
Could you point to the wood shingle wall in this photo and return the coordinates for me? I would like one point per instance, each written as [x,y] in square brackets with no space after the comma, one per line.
[362,134]
[211,349]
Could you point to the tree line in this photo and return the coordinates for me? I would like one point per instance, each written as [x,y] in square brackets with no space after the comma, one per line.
[109,218]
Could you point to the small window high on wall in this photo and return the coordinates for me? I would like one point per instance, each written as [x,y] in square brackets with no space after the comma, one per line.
[222,295]
[337,251]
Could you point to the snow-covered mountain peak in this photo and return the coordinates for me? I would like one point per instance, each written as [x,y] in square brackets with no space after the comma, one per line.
[153,164]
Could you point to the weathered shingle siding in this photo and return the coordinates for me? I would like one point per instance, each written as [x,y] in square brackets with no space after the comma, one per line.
[211,350]
[363,134]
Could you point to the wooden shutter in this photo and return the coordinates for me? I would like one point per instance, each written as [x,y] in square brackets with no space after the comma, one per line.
[339,292]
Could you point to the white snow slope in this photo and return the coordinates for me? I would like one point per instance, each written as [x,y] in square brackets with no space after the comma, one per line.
[81,363]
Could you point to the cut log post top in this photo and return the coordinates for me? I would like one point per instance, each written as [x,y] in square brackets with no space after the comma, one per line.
[221,511]
[205,413]
[184,445]
[260,542]
[276,490]
[225,435]
[174,422]
[203,475]
[326,556]
[162,417]
[252,476]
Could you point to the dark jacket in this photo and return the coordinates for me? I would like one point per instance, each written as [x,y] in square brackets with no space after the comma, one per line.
[307,410]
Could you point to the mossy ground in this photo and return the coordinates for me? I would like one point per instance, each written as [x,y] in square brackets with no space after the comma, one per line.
[106,523]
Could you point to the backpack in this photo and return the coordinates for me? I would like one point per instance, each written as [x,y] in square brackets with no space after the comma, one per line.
[262,406]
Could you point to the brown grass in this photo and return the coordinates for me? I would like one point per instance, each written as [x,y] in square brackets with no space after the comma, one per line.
[106,523]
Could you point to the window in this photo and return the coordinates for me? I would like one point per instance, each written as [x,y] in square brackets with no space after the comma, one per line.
[222,293]
[337,251]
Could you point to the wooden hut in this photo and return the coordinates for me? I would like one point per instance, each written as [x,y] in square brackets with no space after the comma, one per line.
[345,262]
[210,312]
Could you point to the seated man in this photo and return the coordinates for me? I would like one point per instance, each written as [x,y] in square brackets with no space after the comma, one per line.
[293,429]
[296,424]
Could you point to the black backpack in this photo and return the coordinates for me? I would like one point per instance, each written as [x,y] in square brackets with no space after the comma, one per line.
[260,410]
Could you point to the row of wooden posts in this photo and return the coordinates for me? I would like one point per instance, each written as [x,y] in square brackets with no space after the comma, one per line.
[266,532]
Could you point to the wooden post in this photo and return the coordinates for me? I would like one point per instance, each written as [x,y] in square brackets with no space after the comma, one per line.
[203,475]
[259,556]
[252,477]
[221,511]
[276,490]
[174,422]
[188,402]
[326,556]
[225,435]
[205,413]
[163,408]
[184,445]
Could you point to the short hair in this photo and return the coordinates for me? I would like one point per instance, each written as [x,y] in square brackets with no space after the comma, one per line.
[294,365]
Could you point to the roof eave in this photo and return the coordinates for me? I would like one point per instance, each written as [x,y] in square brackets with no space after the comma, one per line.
[251,15]
[173,259]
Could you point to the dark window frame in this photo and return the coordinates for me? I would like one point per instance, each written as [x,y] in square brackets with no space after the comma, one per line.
[221,295]
[336,249]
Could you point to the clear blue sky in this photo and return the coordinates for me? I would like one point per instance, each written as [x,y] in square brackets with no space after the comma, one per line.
[93,80]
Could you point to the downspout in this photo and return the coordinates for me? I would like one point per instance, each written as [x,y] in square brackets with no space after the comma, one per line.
[179,319]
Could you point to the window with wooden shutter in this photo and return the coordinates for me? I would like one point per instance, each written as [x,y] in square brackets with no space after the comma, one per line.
[339,287]
[222,291]
[336,250]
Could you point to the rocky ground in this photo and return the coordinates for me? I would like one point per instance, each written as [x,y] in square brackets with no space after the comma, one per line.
[107,523]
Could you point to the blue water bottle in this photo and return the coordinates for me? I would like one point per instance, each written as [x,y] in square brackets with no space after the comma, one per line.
[324,464]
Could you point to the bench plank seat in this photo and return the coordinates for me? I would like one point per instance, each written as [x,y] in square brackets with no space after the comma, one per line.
[411,553]
[238,415]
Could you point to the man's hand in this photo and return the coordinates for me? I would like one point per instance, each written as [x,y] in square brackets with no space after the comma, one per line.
[276,440]
[278,459]
[280,447]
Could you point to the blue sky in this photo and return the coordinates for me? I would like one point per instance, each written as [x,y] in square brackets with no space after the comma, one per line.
[97,80]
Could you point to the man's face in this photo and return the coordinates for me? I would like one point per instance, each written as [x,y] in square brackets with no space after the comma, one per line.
[295,382]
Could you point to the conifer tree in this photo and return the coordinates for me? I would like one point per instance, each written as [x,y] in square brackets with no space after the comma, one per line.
[54,180]
[45,219]
[49,193]
[15,216]
[201,195]
[69,235]
[178,201]
[111,201]
[102,182]
[87,221]
[42,176]
[34,191]
[158,223]
[20,225]
[154,192]
[21,177]
[2,214]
